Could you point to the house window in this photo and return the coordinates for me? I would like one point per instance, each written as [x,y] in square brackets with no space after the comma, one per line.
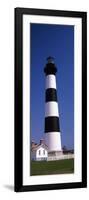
[39,152]
[44,152]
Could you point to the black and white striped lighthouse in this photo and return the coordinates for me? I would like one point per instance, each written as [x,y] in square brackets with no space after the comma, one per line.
[52,125]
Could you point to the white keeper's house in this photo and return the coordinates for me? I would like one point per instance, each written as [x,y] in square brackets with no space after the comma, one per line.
[39,151]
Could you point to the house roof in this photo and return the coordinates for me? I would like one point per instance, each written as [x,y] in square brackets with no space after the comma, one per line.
[38,146]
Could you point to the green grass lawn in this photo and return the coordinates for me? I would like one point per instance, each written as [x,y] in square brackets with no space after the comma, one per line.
[52,167]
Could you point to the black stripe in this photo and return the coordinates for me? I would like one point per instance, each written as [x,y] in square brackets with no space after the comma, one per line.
[52,124]
[50,68]
[51,95]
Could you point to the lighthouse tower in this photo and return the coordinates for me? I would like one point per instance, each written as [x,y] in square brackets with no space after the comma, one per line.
[52,126]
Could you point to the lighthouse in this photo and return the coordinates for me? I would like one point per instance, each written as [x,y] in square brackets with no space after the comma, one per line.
[52,124]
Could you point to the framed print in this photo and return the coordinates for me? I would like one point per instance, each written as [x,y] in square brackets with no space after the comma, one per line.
[50,99]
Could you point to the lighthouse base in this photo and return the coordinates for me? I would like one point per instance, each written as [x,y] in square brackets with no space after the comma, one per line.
[55,155]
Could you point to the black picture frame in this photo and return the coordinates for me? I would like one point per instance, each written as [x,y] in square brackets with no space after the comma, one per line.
[18,109]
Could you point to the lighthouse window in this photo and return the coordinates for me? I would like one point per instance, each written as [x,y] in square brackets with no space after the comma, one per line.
[44,152]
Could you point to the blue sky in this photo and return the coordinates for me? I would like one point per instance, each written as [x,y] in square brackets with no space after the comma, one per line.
[57,41]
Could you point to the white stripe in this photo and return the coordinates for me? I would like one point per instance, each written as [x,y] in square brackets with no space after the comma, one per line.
[53,141]
[50,81]
[51,109]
